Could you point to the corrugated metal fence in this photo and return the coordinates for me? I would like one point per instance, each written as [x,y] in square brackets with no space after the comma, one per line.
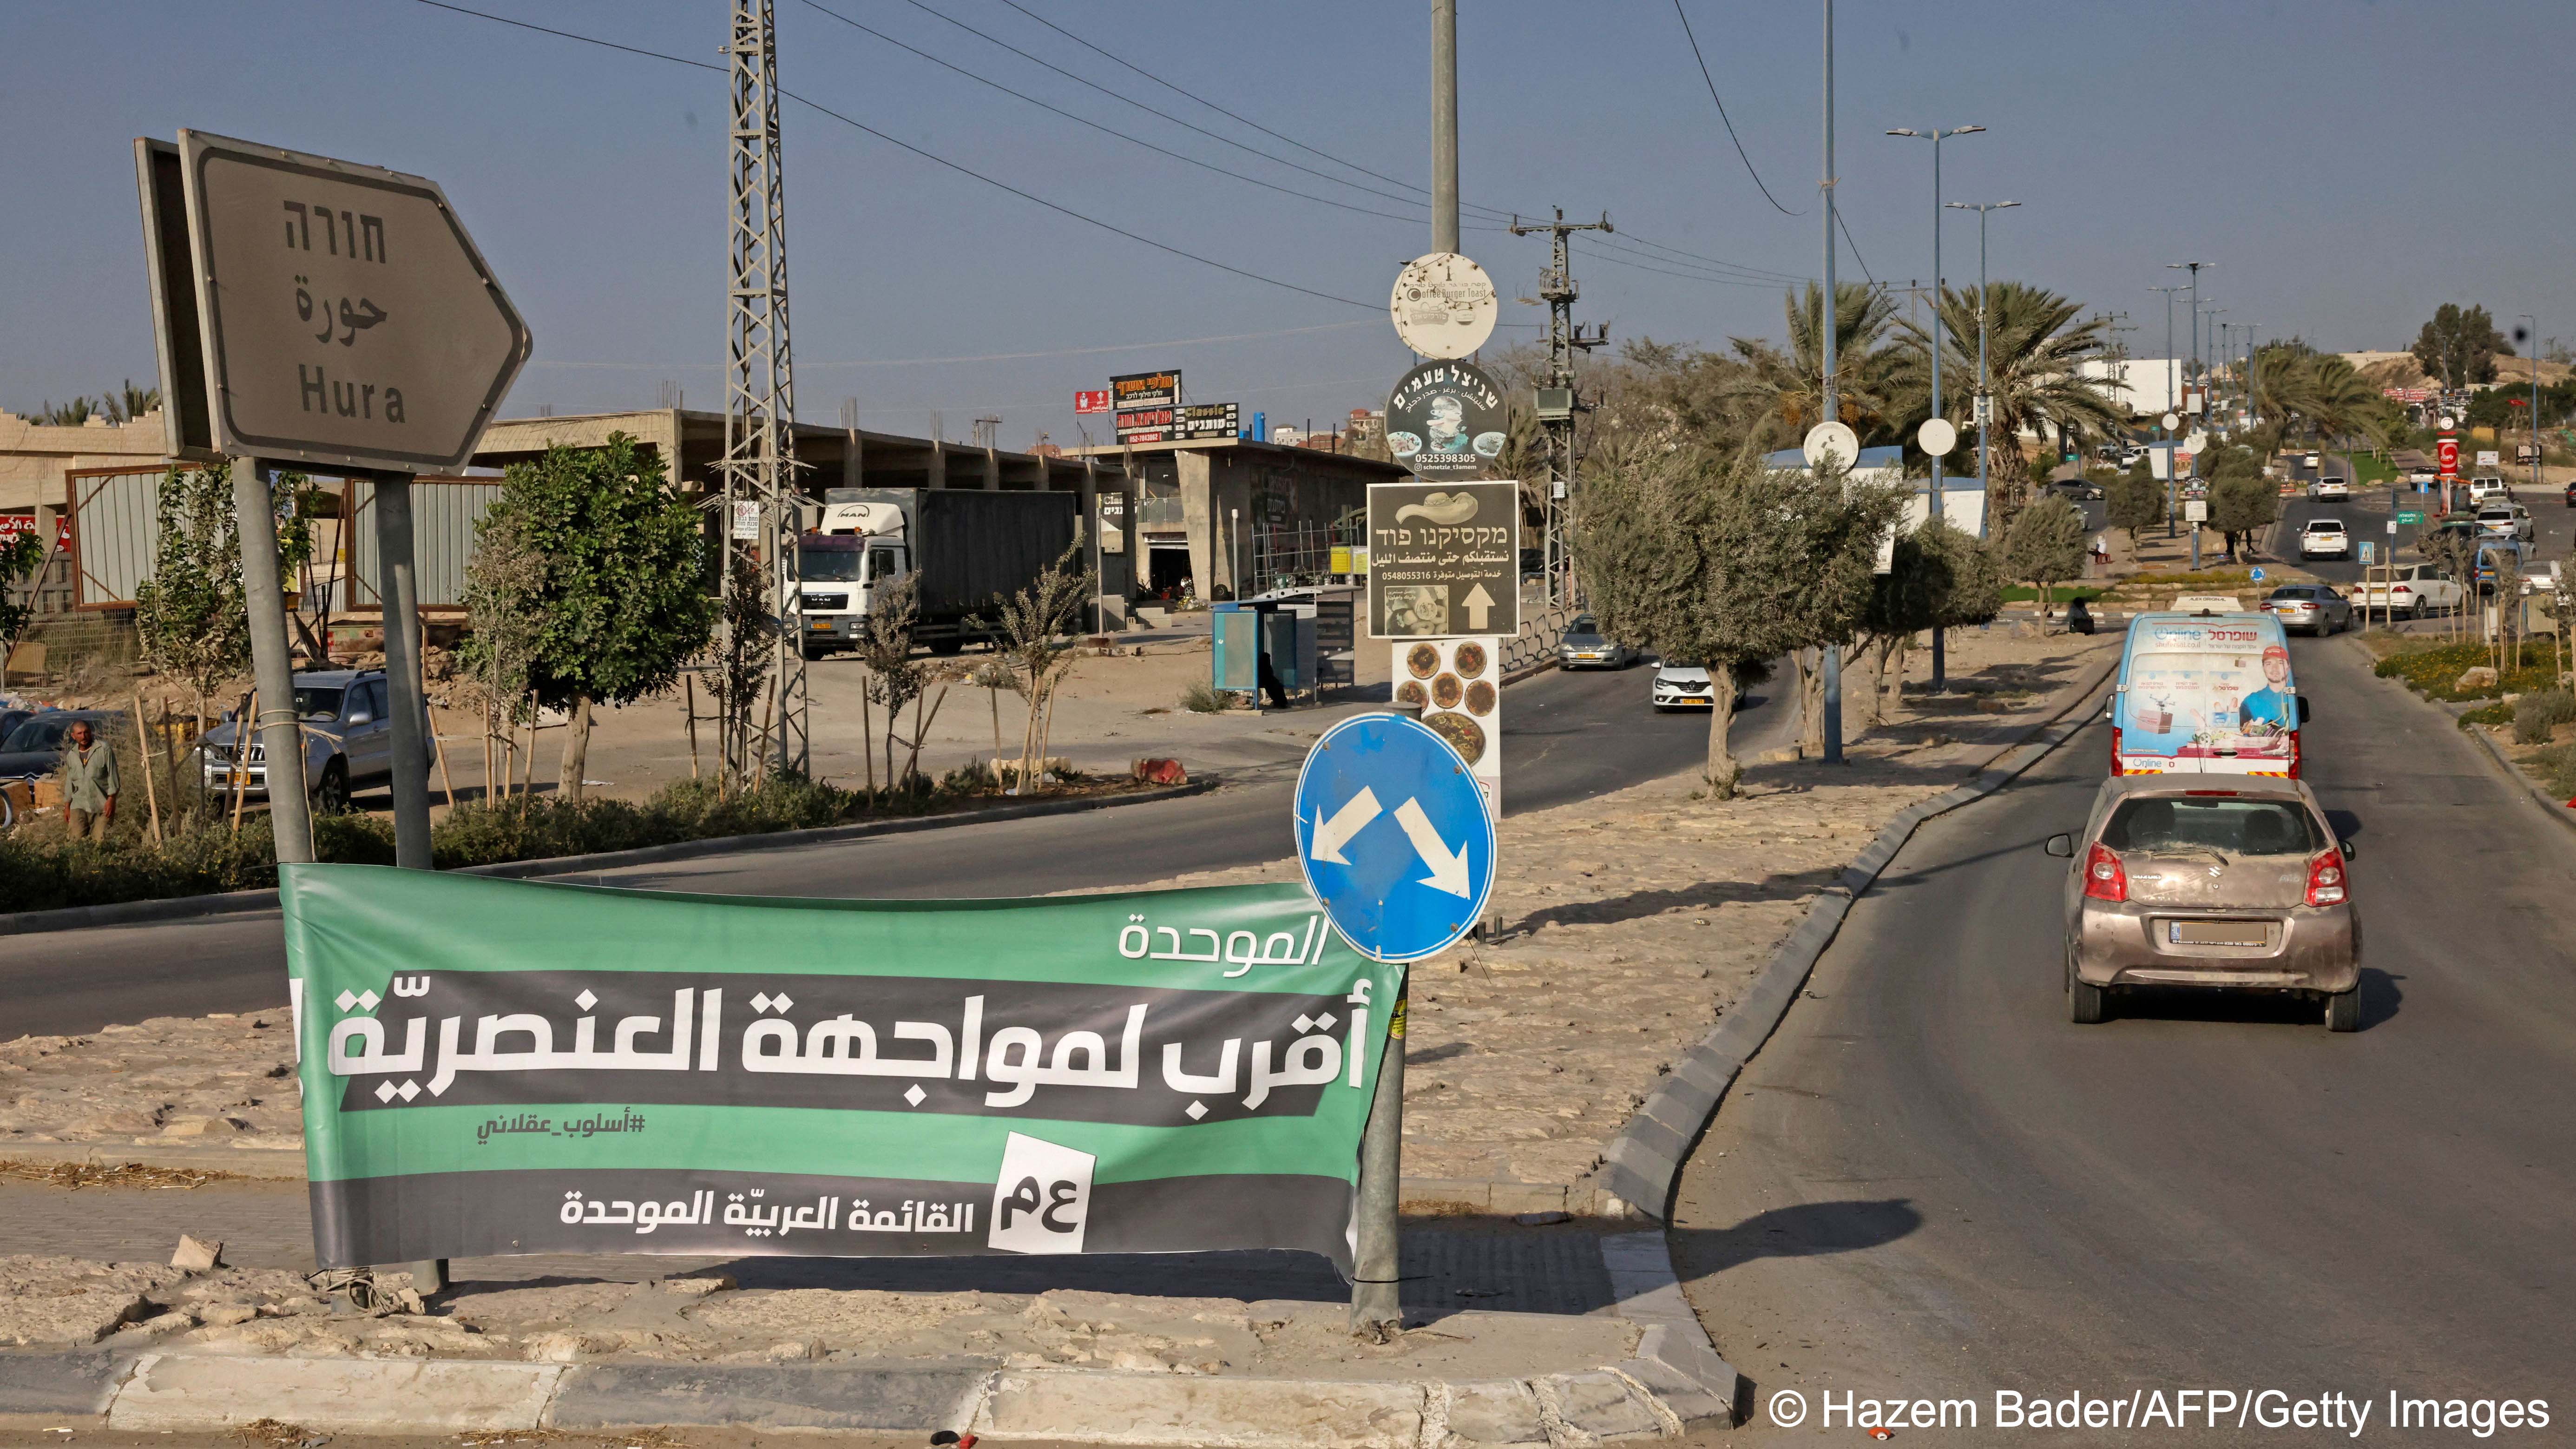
[113,523]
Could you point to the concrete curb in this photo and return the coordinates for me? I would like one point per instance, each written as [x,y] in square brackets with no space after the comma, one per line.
[127,913]
[1643,1165]
[2550,805]
[1674,1382]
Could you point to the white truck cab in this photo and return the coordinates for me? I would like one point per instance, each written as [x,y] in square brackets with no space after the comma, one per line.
[852,554]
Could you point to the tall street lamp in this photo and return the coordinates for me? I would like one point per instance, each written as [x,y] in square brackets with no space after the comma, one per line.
[2173,404]
[2194,269]
[1934,509]
[2531,343]
[1985,409]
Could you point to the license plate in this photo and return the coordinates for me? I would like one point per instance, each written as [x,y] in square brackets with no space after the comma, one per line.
[2220,933]
[820,626]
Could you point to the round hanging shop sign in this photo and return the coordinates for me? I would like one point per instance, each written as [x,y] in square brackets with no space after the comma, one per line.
[1446,420]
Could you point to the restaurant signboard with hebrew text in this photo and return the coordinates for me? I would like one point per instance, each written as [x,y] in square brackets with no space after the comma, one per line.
[1444,560]
[319,311]
[499,1067]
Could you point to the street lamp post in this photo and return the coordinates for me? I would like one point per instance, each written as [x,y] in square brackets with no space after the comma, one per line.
[1933,508]
[2194,269]
[2173,403]
[2531,337]
[1985,379]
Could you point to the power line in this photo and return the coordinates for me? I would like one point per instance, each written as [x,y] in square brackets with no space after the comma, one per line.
[1490,213]
[809,364]
[1204,101]
[1721,115]
[1151,110]
[1105,130]
[1855,247]
[1765,285]
[925,155]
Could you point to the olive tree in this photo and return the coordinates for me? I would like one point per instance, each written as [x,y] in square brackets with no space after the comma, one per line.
[1940,576]
[2046,546]
[1700,557]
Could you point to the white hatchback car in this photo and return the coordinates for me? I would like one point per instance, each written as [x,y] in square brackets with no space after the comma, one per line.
[2325,538]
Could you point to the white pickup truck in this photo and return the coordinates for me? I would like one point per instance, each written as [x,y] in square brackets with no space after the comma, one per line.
[2414,590]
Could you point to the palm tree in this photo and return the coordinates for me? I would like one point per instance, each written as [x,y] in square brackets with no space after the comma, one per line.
[2316,393]
[1779,394]
[2033,343]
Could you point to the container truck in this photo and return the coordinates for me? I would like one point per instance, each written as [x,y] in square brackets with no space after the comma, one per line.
[965,547]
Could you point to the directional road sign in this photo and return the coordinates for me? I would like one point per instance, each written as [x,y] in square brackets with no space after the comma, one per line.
[324,312]
[2410,516]
[2257,575]
[1393,837]
[1444,560]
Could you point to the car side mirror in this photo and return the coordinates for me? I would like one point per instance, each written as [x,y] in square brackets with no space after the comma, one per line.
[2305,710]
[2346,847]
[362,717]
[2061,846]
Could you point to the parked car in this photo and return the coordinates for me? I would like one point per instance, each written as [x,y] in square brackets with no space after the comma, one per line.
[34,747]
[2506,520]
[2245,888]
[2487,488]
[348,739]
[2313,607]
[2539,578]
[1585,647]
[2414,591]
[2330,489]
[2571,495]
[2324,538]
[1679,686]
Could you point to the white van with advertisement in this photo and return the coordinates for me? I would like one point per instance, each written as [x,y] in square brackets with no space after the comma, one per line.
[2206,694]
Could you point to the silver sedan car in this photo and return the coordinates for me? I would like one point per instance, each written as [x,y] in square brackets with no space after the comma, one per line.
[2313,607]
[2180,881]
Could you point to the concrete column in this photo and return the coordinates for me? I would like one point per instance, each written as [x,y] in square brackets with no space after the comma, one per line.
[1200,518]
[852,451]
[992,470]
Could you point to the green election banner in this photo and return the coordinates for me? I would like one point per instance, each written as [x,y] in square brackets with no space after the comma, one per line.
[496,1067]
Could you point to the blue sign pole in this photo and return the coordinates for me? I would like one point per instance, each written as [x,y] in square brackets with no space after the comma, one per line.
[1397,846]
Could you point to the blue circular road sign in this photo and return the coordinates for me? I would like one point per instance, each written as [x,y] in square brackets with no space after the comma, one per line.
[1393,837]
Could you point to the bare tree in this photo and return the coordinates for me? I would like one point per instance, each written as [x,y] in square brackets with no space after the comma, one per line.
[1033,646]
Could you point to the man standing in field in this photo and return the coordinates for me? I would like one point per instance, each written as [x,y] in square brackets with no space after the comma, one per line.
[89,784]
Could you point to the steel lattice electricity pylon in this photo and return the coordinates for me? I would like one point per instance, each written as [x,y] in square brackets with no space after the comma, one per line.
[1557,401]
[759,467]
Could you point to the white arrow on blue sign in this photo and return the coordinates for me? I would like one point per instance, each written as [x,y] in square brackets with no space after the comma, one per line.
[1393,836]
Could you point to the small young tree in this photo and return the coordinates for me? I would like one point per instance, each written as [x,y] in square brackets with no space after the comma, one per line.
[503,621]
[1034,623]
[2046,546]
[895,678]
[1941,577]
[621,594]
[20,558]
[189,616]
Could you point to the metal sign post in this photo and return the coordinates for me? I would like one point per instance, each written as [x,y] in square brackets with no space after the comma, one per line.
[1395,843]
[316,311]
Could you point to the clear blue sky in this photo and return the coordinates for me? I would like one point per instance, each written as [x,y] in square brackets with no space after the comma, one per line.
[2347,167]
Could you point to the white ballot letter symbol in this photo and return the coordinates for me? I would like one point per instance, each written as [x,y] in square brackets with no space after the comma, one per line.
[1042,1198]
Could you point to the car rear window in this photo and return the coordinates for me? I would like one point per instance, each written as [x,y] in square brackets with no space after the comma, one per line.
[2325,525]
[2236,826]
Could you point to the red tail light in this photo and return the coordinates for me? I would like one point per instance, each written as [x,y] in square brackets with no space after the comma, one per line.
[2106,880]
[2325,880]
[2115,749]
[2294,754]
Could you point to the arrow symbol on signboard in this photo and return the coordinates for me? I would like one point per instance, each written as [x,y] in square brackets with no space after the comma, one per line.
[1448,868]
[1478,603]
[1331,835]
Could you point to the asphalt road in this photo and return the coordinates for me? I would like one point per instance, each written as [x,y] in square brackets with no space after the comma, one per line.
[2367,514]
[1931,1183]
[1565,737]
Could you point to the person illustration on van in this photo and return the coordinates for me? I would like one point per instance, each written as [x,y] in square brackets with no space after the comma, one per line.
[2273,704]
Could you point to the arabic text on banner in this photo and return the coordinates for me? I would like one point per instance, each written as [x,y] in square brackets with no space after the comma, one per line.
[494,1067]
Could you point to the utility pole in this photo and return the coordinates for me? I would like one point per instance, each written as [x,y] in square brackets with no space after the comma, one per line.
[2531,342]
[1444,125]
[2173,404]
[1985,410]
[1829,322]
[1940,664]
[759,467]
[1557,402]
